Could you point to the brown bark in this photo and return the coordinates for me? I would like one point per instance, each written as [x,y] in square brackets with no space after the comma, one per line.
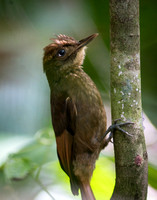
[130,152]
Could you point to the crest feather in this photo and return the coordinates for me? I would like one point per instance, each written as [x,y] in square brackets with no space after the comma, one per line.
[63,39]
[60,39]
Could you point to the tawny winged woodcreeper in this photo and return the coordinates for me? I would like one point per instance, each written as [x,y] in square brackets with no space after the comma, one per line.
[78,114]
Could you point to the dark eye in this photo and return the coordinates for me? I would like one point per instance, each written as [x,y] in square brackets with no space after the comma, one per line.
[61,52]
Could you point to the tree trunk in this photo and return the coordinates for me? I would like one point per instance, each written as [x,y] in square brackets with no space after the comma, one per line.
[130,152]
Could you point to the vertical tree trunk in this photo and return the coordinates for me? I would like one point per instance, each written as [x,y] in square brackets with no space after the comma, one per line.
[130,152]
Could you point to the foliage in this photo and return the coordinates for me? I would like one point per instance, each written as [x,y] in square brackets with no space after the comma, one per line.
[152,175]
[17,168]
[36,165]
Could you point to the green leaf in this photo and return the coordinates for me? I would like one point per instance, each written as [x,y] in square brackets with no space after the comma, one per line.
[40,150]
[152,175]
[17,168]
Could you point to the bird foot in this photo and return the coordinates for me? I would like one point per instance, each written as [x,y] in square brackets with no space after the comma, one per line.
[114,127]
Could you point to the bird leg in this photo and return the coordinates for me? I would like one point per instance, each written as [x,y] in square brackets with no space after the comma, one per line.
[114,127]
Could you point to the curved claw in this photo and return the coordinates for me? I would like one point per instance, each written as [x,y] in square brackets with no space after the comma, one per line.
[123,131]
[116,120]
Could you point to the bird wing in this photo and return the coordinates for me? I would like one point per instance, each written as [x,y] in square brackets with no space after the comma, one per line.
[64,113]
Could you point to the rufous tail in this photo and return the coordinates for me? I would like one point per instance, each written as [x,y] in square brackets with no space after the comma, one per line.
[86,191]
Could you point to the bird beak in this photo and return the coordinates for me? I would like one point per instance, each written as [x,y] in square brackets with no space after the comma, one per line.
[86,40]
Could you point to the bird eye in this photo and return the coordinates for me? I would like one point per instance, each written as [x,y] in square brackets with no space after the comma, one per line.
[61,52]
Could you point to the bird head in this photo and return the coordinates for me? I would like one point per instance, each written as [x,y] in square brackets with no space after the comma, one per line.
[65,51]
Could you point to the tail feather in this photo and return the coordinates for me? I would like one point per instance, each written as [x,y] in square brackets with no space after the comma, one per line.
[74,187]
[86,191]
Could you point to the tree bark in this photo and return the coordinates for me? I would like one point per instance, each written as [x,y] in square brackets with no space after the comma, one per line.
[130,152]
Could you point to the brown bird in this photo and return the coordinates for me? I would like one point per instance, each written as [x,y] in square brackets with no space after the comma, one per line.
[78,114]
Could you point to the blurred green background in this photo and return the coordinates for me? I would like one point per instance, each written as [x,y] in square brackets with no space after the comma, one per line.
[28,161]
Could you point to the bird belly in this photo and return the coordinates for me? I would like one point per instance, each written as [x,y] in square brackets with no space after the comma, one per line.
[90,126]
